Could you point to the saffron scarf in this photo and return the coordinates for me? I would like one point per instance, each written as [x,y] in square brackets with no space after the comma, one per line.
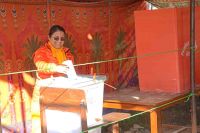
[58,53]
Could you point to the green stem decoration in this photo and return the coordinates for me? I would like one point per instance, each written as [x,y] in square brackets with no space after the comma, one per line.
[69,43]
[1,60]
[97,49]
[120,48]
[31,45]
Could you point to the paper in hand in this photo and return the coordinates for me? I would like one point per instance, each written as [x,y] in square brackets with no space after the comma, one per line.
[71,73]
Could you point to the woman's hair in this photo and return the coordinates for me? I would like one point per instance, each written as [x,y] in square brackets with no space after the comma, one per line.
[55,28]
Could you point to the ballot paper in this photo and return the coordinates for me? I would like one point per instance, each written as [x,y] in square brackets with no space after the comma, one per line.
[71,73]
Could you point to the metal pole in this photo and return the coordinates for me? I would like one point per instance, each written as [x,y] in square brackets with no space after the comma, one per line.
[192,63]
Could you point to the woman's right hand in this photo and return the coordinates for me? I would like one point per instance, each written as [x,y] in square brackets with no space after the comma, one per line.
[62,69]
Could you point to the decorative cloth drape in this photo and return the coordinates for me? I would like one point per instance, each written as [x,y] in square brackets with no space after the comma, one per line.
[96,31]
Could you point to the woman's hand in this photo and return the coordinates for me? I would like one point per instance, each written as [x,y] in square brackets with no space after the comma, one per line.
[62,69]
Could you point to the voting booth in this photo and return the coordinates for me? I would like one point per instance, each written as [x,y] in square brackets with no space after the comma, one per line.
[60,95]
[165,43]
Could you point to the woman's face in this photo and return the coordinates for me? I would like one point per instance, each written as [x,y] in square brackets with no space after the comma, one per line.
[57,39]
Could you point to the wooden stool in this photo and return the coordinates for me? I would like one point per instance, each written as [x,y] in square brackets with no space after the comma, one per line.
[115,116]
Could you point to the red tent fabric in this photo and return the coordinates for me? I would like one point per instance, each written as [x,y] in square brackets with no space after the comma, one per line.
[24,24]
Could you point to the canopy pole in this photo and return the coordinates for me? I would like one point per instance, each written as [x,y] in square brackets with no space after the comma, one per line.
[192,64]
[49,13]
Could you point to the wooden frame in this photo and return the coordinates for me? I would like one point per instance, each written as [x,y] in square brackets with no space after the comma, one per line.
[69,100]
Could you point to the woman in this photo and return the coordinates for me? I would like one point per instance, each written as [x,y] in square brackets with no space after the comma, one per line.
[48,59]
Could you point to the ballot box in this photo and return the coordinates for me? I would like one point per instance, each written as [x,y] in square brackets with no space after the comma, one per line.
[61,121]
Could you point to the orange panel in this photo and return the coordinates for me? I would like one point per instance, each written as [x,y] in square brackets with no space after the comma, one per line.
[162,35]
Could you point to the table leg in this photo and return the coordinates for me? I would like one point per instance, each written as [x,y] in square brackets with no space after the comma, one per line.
[155,121]
[0,122]
[43,120]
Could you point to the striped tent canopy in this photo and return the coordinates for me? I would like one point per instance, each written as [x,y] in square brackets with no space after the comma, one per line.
[172,3]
